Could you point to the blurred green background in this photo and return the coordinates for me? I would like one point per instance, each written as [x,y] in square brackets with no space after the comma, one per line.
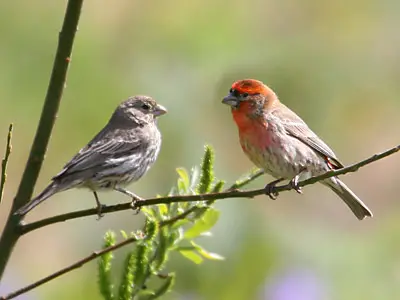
[335,63]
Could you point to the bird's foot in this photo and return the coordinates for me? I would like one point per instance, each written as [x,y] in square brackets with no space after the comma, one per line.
[294,183]
[134,204]
[270,189]
[99,210]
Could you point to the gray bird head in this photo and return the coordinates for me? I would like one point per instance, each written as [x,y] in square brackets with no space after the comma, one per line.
[139,109]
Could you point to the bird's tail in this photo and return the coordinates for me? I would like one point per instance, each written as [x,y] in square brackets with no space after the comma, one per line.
[50,190]
[353,202]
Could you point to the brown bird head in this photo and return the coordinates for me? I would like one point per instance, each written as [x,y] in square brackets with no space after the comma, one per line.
[139,109]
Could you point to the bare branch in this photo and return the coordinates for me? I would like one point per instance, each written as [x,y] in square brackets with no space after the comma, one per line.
[5,161]
[229,193]
[74,266]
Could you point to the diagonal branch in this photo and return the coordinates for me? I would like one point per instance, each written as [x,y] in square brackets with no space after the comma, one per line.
[5,161]
[70,268]
[229,193]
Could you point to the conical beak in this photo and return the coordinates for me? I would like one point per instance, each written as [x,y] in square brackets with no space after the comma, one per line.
[231,100]
[159,110]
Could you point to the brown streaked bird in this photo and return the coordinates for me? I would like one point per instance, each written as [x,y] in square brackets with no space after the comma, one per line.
[278,141]
[121,153]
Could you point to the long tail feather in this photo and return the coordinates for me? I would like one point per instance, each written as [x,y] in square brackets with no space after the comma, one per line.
[47,192]
[353,202]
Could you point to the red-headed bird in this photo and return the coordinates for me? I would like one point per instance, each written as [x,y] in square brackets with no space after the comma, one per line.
[278,141]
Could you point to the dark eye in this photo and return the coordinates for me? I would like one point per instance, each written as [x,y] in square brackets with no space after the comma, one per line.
[145,106]
[245,95]
[231,91]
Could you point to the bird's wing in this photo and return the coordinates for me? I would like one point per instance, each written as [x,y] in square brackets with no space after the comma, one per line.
[298,129]
[100,150]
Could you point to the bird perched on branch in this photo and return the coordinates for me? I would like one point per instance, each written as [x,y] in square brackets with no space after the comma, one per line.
[278,141]
[121,153]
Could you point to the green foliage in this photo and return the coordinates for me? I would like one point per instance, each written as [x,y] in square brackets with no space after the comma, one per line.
[104,268]
[204,223]
[126,285]
[247,178]
[168,228]
[207,171]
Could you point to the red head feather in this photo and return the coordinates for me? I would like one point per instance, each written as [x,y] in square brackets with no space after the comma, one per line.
[251,86]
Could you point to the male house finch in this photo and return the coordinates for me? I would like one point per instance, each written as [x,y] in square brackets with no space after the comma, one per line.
[120,153]
[278,141]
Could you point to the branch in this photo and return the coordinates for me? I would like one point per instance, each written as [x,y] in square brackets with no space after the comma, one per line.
[91,257]
[46,123]
[5,161]
[25,228]
[74,266]
[231,192]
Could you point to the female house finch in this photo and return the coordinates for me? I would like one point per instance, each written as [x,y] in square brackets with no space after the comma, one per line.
[120,153]
[280,142]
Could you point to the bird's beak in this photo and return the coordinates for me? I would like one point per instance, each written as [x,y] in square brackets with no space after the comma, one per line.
[231,100]
[159,110]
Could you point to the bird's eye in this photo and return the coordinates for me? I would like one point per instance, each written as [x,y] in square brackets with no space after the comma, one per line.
[245,95]
[231,91]
[145,106]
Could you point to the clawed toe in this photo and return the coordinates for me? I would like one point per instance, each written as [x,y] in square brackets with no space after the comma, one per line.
[270,189]
[295,185]
[99,210]
[134,205]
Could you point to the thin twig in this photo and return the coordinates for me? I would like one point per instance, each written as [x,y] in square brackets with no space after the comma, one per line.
[25,228]
[226,194]
[5,161]
[63,271]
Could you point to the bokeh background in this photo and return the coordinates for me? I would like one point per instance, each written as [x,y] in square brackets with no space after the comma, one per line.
[335,63]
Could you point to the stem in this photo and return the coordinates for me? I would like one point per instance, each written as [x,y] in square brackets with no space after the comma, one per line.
[229,193]
[5,161]
[52,101]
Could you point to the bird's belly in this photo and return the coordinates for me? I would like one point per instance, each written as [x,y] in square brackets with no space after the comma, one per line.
[284,157]
[125,170]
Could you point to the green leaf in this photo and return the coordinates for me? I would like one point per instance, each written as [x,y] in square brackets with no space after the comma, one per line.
[141,264]
[179,223]
[246,179]
[191,255]
[165,287]
[218,186]
[205,253]
[194,177]
[124,234]
[128,273]
[207,171]
[183,181]
[162,250]
[149,212]
[151,229]
[184,175]
[163,210]
[174,237]
[104,268]
[205,223]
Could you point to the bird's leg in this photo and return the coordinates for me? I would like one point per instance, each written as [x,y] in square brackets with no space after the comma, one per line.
[135,198]
[294,183]
[99,206]
[269,189]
